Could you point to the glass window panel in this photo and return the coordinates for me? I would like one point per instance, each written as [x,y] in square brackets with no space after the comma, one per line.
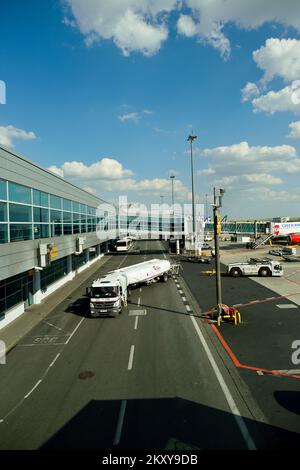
[76,228]
[3,212]
[76,218]
[55,202]
[3,190]
[2,291]
[13,286]
[40,215]
[76,207]
[67,216]
[20,232]
[19,213]
[56,216]
[40,198]
[19,193]
[56,230]
[14,299]
[41,231]
[67,229]
[83,208]
[67,205]
[3,233]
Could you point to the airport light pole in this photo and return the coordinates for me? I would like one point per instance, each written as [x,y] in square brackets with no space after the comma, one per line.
[172,183]
[218,194]
[191,139]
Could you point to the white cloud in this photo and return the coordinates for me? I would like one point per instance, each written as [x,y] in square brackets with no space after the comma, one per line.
[106,168]
[129,117]
[10,133]
[187,26]
[108,175]
[249,92]
[133,25]
[243,169]
[275,101]
[166,132]
[57,171]
[295,130]
[261,193]
[148,111]
[279,58]
[208,18]
[142,25]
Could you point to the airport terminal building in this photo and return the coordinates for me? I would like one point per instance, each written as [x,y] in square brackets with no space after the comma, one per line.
[47,233]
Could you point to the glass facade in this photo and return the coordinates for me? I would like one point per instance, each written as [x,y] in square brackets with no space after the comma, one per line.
[54,272]
[14,290]
[27,214]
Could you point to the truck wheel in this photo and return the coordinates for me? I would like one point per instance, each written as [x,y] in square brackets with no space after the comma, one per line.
[235,272]
[164,278]
[264,272]
[128,291]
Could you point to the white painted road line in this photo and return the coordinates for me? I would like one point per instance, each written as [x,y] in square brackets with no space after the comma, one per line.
[184,299]
[36,385]
[120,423]
[233,407]
[180,292]
[54,326]
[287,306]
[188,308]
[53,362]
[136,323]
[130,362]
[139,301]
[140,289]
[74,331]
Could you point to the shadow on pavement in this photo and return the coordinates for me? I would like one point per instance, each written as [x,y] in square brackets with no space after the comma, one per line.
[80,307]
[166,423]
[289,400]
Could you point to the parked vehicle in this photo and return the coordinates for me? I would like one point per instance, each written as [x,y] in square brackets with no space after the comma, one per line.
[283,251]
[255,267]
[124,245]
[198,259]
[109,294]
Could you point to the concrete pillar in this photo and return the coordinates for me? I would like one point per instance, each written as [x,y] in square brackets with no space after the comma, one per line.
[37,295]
[70,272]
[98,250]
[87,256]
[69,264]
[177,247]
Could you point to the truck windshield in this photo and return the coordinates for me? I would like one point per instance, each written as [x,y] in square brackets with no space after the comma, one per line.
[105,291]
[122,244]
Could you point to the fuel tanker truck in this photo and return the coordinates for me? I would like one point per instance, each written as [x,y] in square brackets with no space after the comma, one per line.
[108,295]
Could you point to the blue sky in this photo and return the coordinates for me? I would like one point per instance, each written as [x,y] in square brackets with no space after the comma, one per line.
[106,95]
